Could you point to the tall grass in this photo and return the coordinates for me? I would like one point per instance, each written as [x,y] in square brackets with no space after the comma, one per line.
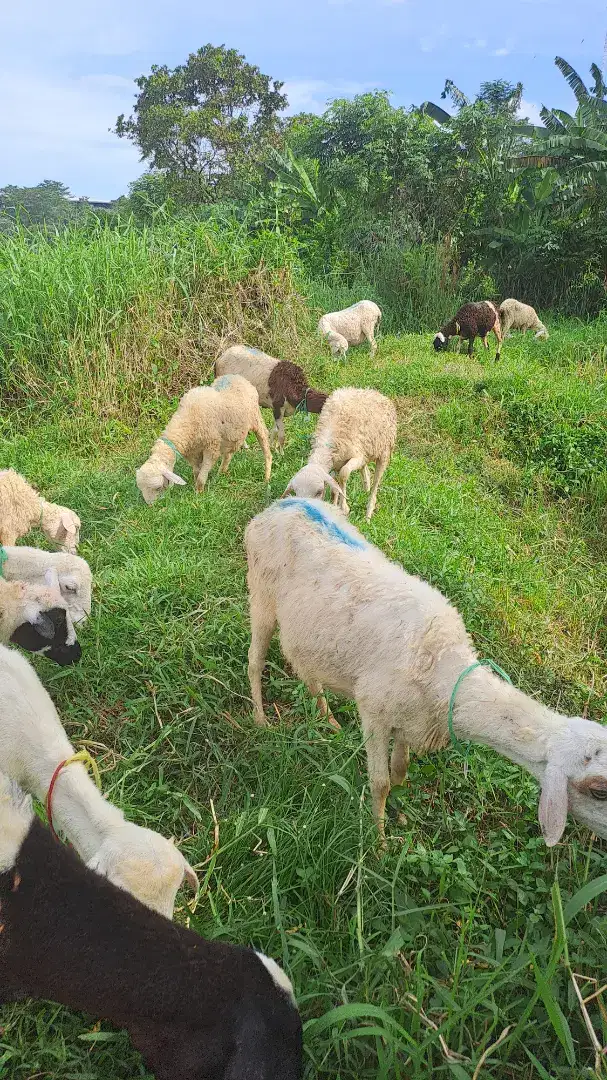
[116,308]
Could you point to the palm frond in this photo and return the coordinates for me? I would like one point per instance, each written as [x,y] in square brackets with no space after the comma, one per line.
[576,83]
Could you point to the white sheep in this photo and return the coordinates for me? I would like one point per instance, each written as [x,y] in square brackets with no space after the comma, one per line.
[514,315]
[281,385]
[37,618]
[22,509]
[355,623]
[32,745]
[351,326]
[210,422]
[356,427]
[74,576]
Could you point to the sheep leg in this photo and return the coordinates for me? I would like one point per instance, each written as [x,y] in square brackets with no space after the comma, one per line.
[277,434]
[260,429]
[399,762]
[209,458]
[366,479]
[372,342]
[470,346]
[225,461]
[380,468]
[377,765]
[498,333]
[317,691]
[350,466]
[263,622]
[485,343]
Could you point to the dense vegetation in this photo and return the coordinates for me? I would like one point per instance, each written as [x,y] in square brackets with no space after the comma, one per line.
[412,963]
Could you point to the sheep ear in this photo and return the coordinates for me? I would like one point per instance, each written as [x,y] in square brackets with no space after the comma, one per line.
[191,876]
[68,522]
[51,578]
[333,485]
[61,530]
[45,626]
[172,477]
[552,812]
[289,490]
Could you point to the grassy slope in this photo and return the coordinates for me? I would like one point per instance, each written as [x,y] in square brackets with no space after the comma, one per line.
[445,921]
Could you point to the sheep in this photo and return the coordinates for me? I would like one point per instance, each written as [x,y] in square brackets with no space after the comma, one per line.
[514,315]
[32,745]
[281,385]
[37,618]
[74,575]
[351,326]
[470,322]
[353,622]
[195,1009]
[22,508]
[355,427]
[210,422]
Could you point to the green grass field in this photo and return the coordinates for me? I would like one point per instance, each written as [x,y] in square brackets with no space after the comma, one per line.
[411,963]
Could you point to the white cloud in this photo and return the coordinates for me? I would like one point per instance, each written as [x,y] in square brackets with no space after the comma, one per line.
[500,52]
[312,95]
[530,110]
[58,129]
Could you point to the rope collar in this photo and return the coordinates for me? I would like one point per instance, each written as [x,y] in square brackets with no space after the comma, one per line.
[303,404]
[171,446]
[86,759]
[3,558]
[455,742]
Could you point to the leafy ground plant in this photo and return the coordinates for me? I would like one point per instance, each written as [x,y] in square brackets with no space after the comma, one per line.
[458,952]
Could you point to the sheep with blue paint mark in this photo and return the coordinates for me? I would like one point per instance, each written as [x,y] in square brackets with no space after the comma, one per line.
[355,623]
[211,422]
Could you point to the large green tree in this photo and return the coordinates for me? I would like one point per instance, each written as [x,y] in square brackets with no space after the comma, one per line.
[205,123]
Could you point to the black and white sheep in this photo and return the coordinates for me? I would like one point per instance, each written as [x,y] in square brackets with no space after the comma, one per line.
[195,1009]
[37,618]
[282,386]
[470,322]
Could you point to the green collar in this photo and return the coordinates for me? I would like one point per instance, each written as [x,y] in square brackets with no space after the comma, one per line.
[3,558]
[478,663]
[171,446]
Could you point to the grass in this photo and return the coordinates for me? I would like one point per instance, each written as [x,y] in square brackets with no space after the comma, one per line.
[405,964]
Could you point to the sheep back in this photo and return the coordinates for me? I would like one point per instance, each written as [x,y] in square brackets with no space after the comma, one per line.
[352,321]
[355,422]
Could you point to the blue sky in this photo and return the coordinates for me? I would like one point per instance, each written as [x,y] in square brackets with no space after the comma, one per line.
[67,68]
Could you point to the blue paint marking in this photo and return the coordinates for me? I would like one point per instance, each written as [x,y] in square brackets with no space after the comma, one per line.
[256,352]
[312,508]
[223,382]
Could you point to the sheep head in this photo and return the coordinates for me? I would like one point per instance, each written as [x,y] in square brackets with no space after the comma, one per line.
[61,525]
[575,779]
[36,618]
[337,343]
[441,341]
[153,478]
[145,864]
[310,483]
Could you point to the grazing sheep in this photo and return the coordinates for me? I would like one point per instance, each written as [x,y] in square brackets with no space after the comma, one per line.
[281,385]
[515,315]
[32,745]
[195,1009]
[351,326]
[73,573]
[22,508]
[470,322]
[37,618]
[210,422]
[353,622]
[355,427]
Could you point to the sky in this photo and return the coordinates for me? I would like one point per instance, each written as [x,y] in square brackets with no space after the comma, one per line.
[67,67]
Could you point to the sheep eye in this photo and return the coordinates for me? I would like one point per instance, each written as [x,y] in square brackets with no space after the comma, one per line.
[599,793]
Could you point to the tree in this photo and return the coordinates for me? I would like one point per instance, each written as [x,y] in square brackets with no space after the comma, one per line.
[204,123]
[48,203]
